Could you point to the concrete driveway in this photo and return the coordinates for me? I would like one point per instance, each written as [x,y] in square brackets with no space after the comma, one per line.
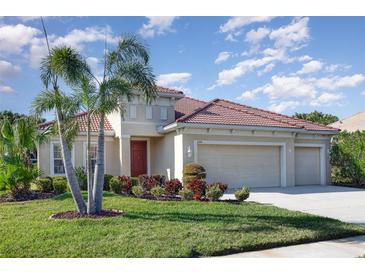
[343,203]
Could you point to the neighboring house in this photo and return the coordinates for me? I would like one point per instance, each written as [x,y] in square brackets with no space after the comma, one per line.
[351,123]
[237,144]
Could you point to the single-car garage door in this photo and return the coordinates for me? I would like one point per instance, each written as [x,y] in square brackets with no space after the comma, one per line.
[307,166]
[238,165]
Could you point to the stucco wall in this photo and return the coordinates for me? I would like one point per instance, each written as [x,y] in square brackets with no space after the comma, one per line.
[162,155]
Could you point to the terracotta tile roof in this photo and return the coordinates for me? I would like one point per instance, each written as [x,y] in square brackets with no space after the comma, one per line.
[187,105]
[82,121]
[169,90]
[224,112]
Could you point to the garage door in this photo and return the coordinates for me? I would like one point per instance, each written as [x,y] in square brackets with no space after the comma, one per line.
[307,166]
[238,165]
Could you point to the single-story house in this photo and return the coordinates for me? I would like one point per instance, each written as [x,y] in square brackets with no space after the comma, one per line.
[237,144]
[352,123]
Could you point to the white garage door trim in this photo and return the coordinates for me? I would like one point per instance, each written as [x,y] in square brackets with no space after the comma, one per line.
[322,162]
[238,143]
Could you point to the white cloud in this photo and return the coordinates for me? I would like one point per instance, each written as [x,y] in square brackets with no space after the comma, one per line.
[255,36]
[6,89]
[92,62]
[237,22]
[335,67]
[289,87]
[77,38]
[8,69]
[282,106]
[173,78]
[336,82]
[250,94]
[310,67]
[222,56]
[293,35]
[304,58]
[157,25]
[28,18]
[363,93]
[14,37]
[327,99]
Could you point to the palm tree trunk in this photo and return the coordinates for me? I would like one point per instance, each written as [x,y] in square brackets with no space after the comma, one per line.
[90,198]
[99,168]
[69,170]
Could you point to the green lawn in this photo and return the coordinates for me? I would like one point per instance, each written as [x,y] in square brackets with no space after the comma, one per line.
[158,229]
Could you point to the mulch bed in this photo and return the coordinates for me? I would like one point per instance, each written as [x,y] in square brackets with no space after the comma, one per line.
[106,213]
[31,195]
[149,196]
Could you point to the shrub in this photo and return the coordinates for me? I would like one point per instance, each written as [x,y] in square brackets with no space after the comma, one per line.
[135,181]
[197,186]
[348,158]
[107,178]
[60,184]
[242,194]
[44,184]
[186,194]
[213,193]
[222,187]
[121,184]
[147,182]
[193,171]
[126,184]
[81,177]
[173,186]
[115,185]
[137,191]
[157,191]
[160,179]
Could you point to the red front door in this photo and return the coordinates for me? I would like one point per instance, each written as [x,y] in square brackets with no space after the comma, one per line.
[138,158]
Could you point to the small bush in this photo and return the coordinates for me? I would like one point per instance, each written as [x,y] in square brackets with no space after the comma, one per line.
[160,179]
[197,186]
[193,171]
[137,191]
[242,194]
[222,187]
[44,184]
[186,194]
[81,177]
[135,181]
[126,184]
[107,178]
[213,193]
[173,186]
[121,184]
[60,184]
[157,191]
[115,185]
[147,182]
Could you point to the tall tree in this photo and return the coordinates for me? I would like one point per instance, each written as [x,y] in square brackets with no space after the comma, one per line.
[317,117]
[65,108]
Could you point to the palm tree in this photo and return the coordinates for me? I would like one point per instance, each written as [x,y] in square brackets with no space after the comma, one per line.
[65,108]
[85,93]
[126,69]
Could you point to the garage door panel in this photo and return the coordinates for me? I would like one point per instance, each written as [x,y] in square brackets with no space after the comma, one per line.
[307,166]
[236,165]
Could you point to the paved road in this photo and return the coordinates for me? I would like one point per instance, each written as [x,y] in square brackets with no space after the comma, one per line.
[343,203]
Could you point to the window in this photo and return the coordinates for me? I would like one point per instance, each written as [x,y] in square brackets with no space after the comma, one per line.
[148,112]
[163,113]
[58,167]
[132,111]
[93,148]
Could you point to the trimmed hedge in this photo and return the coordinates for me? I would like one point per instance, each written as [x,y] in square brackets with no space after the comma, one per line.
[193,171]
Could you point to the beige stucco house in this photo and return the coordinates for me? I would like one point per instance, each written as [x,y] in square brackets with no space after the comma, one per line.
[352,123]
[237,144]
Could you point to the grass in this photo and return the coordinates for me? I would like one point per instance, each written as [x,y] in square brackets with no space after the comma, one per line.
[158,229]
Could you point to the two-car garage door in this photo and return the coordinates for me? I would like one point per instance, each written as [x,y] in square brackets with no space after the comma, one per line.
[238,165]
[257,165]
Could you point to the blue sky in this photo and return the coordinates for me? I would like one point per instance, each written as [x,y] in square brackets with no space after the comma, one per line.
[285,64]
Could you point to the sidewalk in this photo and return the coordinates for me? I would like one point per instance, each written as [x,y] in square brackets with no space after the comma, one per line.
[342,248]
